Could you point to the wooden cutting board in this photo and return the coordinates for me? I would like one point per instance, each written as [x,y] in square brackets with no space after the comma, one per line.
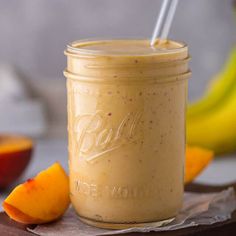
[10,228]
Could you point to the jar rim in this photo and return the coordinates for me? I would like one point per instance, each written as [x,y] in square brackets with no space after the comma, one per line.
[80,47]
[163,79]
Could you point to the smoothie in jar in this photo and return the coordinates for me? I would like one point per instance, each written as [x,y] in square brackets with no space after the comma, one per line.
[126,125]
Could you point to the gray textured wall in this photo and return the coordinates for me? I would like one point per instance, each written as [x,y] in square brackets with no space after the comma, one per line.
[34,34]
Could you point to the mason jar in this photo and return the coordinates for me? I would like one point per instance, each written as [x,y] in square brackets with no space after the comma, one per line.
[126,128]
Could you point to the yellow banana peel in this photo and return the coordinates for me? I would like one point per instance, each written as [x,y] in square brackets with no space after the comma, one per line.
[211,121]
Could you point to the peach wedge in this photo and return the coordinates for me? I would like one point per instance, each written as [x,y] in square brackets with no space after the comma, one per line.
[197,159]
[40,200]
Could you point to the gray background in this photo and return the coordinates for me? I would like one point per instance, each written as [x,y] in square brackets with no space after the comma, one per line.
[34,33]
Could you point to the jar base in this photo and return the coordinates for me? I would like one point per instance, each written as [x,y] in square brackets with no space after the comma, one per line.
[110,225]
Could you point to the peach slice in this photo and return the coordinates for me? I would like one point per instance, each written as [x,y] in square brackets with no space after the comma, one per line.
[40,200]
[15,154]
[196,160]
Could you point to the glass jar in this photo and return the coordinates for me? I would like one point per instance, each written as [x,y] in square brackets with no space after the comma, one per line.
[126,125]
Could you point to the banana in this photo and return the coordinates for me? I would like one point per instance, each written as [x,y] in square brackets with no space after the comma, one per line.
[211,122]
[218,89]
[216,131]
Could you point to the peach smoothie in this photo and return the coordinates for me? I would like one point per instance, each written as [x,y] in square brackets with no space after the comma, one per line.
[126,125]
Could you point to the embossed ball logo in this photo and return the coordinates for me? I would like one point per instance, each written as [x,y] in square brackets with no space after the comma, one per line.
[97,134]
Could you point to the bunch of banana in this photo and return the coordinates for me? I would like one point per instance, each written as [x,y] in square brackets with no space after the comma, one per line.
[211,121]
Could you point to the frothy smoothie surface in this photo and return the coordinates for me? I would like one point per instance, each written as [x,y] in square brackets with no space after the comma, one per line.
[126,47]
